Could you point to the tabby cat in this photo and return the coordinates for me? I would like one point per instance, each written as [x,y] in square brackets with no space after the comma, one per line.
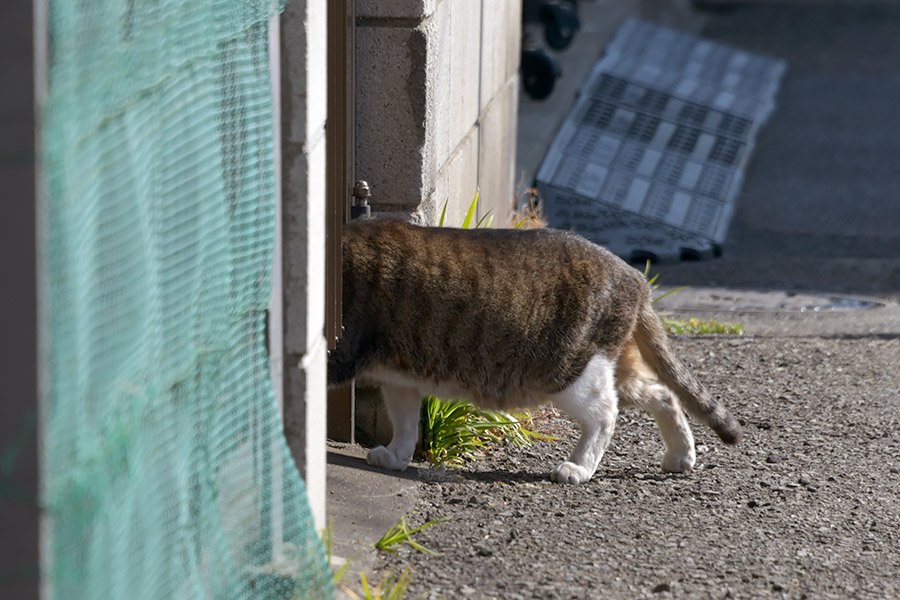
[510,319]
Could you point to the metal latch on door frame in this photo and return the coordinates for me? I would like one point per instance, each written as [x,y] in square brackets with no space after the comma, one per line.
[360,205]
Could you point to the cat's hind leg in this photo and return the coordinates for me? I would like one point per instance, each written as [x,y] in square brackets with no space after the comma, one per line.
[592,402]
[402,404]
[673,426]
[637,385]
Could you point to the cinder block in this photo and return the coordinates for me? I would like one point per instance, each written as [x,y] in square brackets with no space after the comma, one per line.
[501,40]
[302,31]
[456,183]
[497,147]
[463,38]
[439,112]
[420,90]
[305,422]
[303,231]
[395,9]
[303,71]
[392,104]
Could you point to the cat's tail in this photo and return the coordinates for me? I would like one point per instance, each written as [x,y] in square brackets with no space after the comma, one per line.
[651,339]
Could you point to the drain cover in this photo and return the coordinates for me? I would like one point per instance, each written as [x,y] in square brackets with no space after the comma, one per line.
[650,159]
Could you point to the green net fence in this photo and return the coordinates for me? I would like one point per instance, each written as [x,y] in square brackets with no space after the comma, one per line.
[165,472]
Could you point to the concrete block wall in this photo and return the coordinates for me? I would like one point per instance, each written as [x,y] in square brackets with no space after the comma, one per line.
[436,97]
[302,98]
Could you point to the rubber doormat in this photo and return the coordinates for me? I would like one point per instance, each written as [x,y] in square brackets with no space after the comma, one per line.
[650,160]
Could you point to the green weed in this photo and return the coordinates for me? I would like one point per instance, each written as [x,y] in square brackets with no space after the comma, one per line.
[401,534]
[388,588]
[454,432]
[451,432]
[695,326]
[654,285]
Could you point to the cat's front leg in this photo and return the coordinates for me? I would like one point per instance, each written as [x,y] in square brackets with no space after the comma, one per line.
[402,405]
[592,402]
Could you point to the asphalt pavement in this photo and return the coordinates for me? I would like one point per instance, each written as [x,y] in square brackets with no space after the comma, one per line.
[808,506]
[819,207]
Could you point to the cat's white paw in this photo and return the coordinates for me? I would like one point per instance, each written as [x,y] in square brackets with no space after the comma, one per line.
[569,472]
[386,459]
[678,463]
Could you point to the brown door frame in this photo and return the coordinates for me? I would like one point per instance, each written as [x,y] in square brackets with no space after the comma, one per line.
[339,178]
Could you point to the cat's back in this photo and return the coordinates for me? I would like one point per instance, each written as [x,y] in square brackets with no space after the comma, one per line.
[532,303]
[386,244]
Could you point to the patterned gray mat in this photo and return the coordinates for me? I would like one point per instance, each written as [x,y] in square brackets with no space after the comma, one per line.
[650,160]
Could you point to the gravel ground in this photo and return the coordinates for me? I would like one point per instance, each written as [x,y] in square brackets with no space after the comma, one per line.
[806,507]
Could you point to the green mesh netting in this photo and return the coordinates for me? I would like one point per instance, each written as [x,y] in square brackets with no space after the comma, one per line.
[166,474]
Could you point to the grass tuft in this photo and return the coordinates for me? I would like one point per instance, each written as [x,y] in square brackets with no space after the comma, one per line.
[389,587]
[401,534]
[695,326]
[454,432]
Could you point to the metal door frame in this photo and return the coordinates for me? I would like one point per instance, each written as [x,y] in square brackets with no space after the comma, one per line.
[339,166]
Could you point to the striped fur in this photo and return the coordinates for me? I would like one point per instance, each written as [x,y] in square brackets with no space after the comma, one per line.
[506,319]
